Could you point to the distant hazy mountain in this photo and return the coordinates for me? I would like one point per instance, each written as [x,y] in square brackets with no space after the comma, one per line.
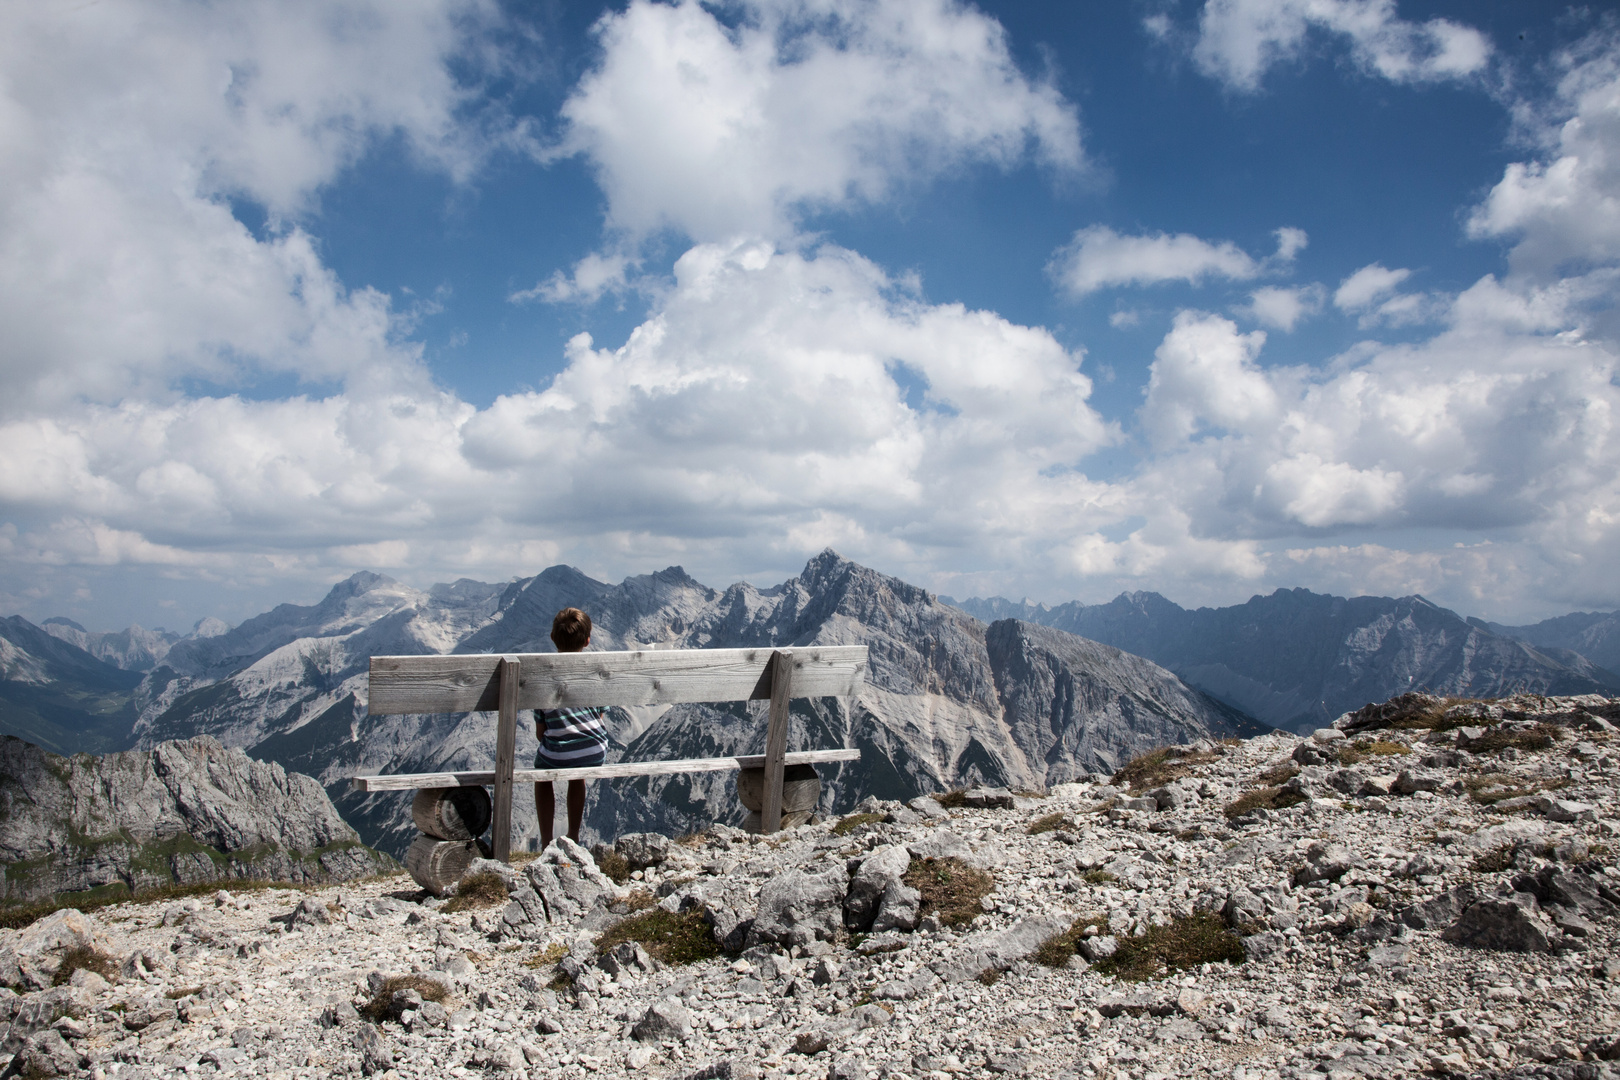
[1594,635]
[1297,659]
[59,697]
[133,649]
[948,700]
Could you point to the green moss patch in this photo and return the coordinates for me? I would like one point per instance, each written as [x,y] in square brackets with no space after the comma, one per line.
[672,939]
[1186,943]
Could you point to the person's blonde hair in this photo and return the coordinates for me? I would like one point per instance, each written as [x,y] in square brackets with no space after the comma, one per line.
[571,630]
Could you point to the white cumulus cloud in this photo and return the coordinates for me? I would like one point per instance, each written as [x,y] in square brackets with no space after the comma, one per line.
[1240,40]
[129,125]
[718,129]
[1098,258]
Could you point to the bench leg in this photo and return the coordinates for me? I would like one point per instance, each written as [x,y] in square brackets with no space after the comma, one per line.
[770,815]
[505,753]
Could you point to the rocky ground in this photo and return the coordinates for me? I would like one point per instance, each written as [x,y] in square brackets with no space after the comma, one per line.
[1427,888]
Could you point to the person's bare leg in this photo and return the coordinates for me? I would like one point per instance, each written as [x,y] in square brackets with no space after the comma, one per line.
[545,805]
[576,808]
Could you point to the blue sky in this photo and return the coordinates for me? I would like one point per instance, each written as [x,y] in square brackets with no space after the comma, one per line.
[1204,298]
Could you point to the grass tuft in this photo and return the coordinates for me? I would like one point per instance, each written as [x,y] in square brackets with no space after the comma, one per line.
[1495,861]
[1049,823]
[672,939]
[547,956]
[1186,943]
[1097,877]
[86,958]
[1057,950]
[1266,798]
[1354,753]
[847,825]
[951,889]
[381,1006]
[482,890]
[1278,775]
[1540,737]
[1158,767]
[951,800]
[615,866]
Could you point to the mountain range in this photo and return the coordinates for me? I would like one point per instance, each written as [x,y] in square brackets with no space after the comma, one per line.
[985,691]
[1297,659]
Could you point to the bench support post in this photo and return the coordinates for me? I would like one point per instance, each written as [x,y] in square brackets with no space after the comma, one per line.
[770,815]
[505,755]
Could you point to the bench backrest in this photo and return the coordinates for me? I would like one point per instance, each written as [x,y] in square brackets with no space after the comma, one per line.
[447,684]
[506,684]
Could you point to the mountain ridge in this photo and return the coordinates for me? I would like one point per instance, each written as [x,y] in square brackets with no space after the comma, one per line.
[1298,659]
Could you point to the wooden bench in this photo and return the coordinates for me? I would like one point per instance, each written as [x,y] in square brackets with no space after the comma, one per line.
[507,684]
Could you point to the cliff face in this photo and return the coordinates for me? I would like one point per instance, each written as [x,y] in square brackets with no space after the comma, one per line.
[1298,659]
[183,812]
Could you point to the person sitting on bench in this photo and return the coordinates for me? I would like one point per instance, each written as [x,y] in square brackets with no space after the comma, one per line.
[569,738]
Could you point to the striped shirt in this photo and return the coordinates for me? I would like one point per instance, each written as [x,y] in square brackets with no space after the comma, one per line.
[570,737]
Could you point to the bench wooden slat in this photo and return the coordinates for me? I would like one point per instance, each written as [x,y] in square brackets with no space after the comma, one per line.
[470,683]
[406,781]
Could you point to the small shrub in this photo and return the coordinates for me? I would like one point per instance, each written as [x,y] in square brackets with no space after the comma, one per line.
[1267,798]
[640,900]
[87,958]
[1049,823]
[381,1006]
[847,825]
[615,866]
[1097,877]
[474,891]
[1186,943]
[989,976]
[673,939]
[951,889]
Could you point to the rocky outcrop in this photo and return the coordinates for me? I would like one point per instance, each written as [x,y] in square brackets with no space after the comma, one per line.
[184,812]
[1392,935]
